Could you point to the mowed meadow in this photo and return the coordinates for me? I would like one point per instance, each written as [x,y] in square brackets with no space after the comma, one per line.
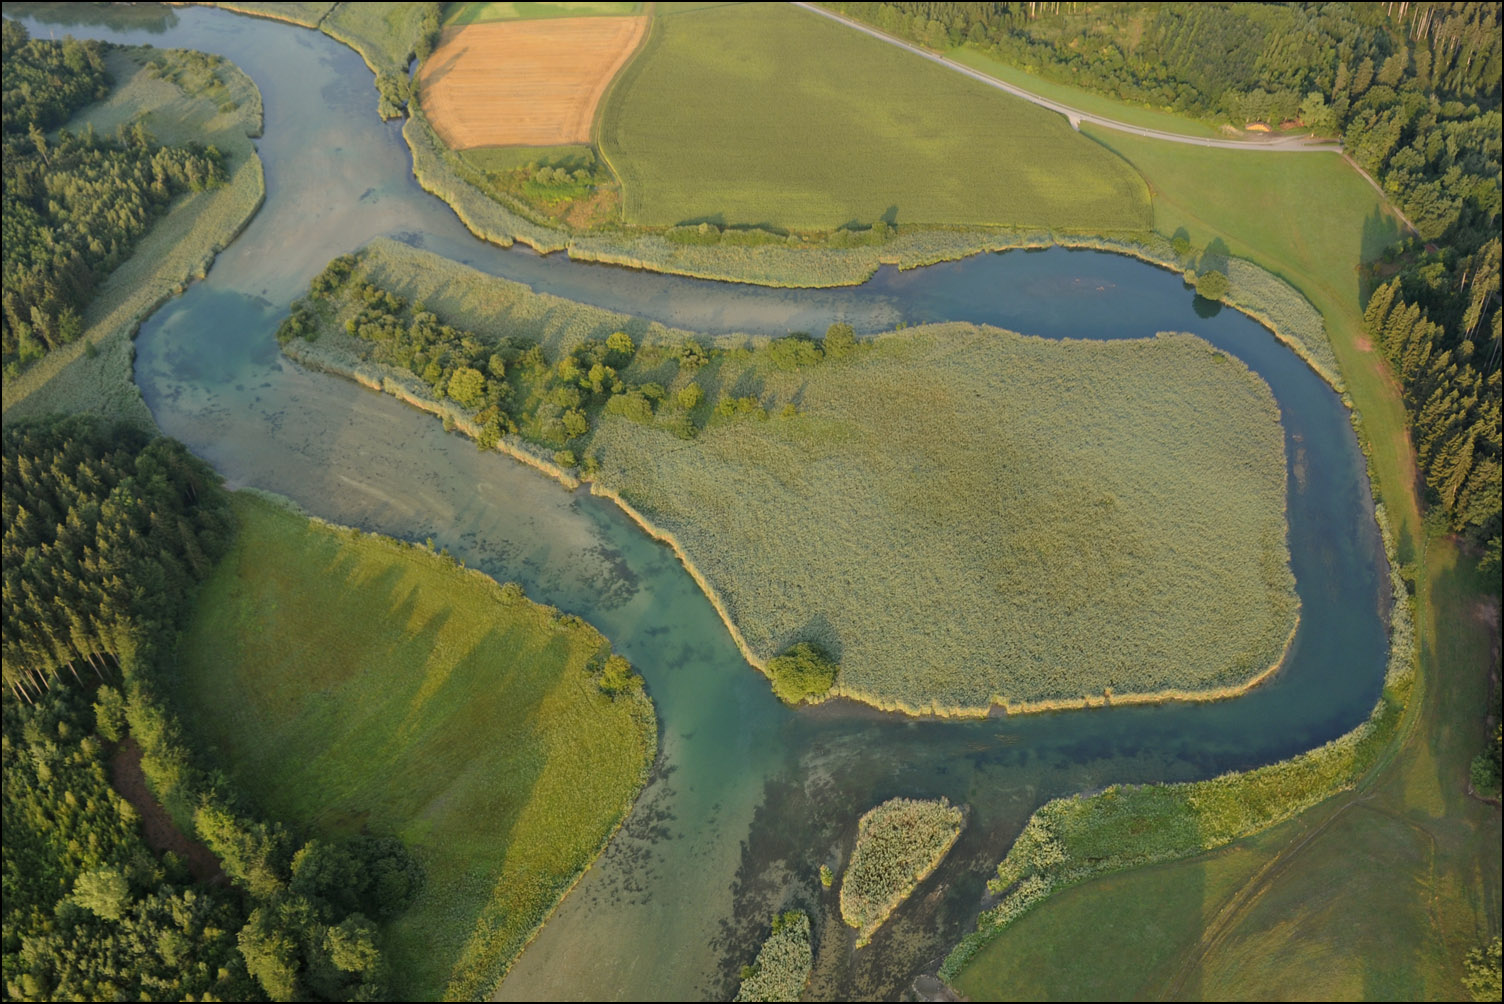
[766,114]
[354,684]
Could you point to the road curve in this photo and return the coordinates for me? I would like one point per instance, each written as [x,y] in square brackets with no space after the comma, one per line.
[1283,144]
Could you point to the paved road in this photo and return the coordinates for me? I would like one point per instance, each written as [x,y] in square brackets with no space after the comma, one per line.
[1284,144]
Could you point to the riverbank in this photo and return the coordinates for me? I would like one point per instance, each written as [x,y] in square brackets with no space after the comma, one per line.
[503,829]
[748,504]
[219,106]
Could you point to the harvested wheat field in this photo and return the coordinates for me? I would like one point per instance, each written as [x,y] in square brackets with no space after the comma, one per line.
[524,83]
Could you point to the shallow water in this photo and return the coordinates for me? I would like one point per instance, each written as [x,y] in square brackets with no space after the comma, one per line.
[749,798]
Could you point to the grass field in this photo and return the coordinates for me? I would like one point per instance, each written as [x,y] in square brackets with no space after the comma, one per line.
[220,107]
[1075,97]
[524,83]
[383,33]
[509,158]
[1375,894]
[480,13]
[765,114]
[351,683]
[1378,893]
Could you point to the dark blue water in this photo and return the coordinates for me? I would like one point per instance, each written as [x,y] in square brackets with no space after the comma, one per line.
[749,797]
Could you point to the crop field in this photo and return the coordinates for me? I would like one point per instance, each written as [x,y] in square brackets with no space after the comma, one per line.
[765,114]
[480,13]
[354,684]
[524,83]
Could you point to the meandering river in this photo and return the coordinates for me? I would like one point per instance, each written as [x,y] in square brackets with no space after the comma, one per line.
[749,798]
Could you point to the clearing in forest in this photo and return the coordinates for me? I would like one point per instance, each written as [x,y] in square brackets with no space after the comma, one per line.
[524,83]
[355,684]
[766,114]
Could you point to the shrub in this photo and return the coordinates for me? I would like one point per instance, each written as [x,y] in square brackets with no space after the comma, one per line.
[802,673]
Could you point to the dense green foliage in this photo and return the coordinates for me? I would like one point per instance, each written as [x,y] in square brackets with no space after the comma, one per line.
[783,963]
[812,488]
[1485,971]
[74,206]
[44,82]
[106,533]
[804,124]
[805,672]
[351,683]
[1443,344]
[89,912]
[112,529]
[898,844]
[508,385]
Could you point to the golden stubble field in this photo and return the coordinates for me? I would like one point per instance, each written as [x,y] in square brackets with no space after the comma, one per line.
[524,83]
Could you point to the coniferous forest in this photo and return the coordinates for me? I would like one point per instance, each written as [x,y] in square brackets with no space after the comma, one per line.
[108,532]
[74,205]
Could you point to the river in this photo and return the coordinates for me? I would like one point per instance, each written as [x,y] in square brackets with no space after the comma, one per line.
[748,797]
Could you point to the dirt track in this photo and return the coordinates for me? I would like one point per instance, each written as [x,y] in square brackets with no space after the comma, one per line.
[524,83]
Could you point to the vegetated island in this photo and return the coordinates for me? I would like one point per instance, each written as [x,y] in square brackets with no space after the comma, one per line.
[1006,506]
[139,164]
[898,844]
[351,683]
[783,963]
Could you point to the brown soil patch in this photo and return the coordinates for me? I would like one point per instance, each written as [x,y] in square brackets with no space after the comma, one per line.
[524,83]
[161,833]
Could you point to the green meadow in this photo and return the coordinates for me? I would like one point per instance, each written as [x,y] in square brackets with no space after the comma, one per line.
[479,13]
[350,683]
[711,122]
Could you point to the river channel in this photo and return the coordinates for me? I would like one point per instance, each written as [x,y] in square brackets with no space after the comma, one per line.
[748,798]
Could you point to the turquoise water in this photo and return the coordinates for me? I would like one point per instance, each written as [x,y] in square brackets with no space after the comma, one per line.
[748,798]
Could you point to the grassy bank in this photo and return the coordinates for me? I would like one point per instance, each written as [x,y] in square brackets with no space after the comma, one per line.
[352,684]
[217,106]
[306,15]
[928,482]
[862,132]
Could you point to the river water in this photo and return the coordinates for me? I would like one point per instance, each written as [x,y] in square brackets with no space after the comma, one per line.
[748,798]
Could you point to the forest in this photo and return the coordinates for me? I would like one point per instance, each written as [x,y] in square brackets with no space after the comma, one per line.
[107,534]
[1414,92]
[74,206]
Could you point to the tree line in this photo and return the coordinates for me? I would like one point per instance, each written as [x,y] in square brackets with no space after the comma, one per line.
[107,533]
[74,205]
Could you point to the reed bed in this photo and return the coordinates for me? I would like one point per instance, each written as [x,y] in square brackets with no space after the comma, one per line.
[959,516]
[898,844]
